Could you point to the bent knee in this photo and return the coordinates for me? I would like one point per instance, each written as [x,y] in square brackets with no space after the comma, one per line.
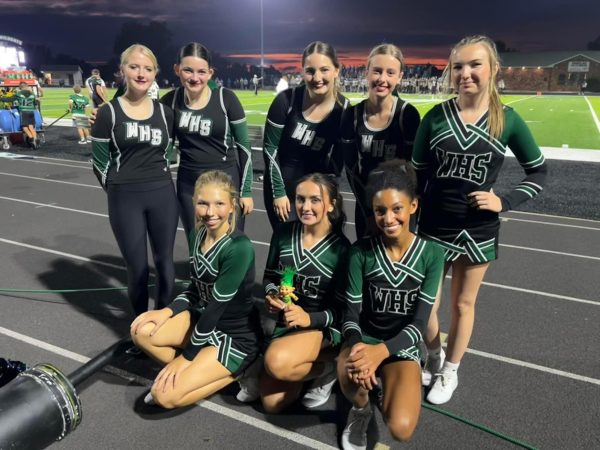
[278,365]
[401,428]
[165,399]
[143,334]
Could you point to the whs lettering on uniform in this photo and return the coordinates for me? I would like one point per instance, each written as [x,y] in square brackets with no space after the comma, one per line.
[393,301]
[194,123]
[305,284]
[463,165]
[377,148]
[308,137]
[204,291]
[143,133]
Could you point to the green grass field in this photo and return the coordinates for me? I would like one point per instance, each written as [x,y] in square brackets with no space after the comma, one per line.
[555,121]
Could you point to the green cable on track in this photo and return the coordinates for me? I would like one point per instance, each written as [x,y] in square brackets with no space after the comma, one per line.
[478,426]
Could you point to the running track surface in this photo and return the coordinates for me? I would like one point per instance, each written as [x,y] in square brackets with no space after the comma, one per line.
[532,371]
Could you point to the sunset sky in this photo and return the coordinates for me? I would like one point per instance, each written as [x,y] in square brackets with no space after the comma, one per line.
[425,30]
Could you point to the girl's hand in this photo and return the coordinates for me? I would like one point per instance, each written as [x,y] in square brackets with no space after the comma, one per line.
[282,207]
[274,303]
[167,378]
[246,205]
[363,361]
[158,317]
[485,201]
[296,317]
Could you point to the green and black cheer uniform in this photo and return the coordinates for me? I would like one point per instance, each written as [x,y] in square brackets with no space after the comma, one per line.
[319,272]
[295,146]
[131,161]
[390,302]
[365,147]
[453,159]
[219,298]
[211,138]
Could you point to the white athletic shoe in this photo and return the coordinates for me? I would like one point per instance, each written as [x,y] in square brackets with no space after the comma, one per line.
[149,400]
[82,141]
[249,382]
[443,387]
[354,436]
[321,387]
[432,366]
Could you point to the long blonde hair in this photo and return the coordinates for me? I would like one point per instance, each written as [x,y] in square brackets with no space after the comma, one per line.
[495,109]
[225,182]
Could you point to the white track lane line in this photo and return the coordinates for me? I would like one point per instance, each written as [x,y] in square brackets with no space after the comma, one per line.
[349,199]
[206,404]
[487,283]
[80,211]
[554,216]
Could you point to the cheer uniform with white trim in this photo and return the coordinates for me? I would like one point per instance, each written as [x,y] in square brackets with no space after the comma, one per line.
[366,147]
[131,161]
[208,139]
[295,146]
[453,159]
[219,297]
[388,301]
[318,272]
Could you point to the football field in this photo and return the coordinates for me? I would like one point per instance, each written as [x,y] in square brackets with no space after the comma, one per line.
[556,120]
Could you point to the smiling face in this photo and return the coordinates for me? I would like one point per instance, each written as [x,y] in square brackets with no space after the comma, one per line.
[193,73]
[138,72]
[392,210]
[471,70]
[383,75]
[312,203]
[214,207]
[319,74]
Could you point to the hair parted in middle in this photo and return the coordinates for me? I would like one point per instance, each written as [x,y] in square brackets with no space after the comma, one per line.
[224,181]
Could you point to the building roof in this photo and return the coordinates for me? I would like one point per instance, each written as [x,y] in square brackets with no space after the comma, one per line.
[66,68]
[544,59]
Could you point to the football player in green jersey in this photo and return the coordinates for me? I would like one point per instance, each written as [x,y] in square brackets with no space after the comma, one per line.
[77,107]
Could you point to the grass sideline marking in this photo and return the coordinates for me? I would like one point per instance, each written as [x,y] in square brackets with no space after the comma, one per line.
[596,121]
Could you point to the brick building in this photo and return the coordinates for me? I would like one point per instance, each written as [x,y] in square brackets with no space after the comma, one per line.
[548,71]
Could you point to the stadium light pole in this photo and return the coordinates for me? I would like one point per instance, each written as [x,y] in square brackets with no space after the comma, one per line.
[262,49]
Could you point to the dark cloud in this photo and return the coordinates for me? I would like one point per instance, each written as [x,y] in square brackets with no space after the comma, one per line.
[86,28]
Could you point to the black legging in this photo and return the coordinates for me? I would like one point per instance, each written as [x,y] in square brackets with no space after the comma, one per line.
[136,211]
[186,179]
